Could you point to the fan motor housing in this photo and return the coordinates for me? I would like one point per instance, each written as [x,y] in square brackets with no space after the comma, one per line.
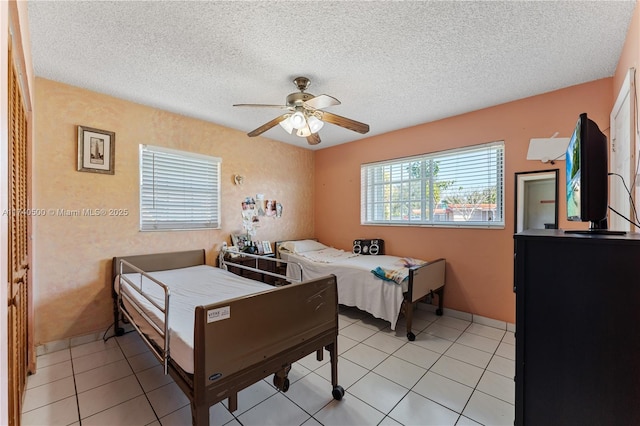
[296,99]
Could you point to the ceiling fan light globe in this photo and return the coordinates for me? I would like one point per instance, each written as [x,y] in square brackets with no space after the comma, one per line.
[304,132]
[286,125]
[315,124]
[297,120]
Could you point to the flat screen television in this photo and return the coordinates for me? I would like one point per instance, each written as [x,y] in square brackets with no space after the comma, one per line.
[588,177]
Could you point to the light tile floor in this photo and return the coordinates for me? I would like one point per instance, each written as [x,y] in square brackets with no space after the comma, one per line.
[454,373]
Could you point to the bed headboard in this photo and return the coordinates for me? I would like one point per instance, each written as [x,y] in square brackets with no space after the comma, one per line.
[279,243]
[160,261]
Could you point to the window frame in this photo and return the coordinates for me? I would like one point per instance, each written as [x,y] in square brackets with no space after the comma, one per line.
[398,176]
[198,171]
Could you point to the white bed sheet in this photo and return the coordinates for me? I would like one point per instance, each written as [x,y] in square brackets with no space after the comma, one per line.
[190,287]
[357,286]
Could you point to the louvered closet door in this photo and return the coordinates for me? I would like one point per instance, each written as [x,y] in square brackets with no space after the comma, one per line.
[19,248]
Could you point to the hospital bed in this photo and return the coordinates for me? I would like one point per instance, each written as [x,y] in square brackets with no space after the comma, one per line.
[217,333]
[358,286]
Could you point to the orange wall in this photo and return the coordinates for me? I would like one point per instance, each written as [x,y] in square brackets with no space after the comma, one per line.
[73,254]
[479,261]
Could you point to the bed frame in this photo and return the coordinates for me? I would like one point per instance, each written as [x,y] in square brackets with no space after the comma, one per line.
[265,334]
[425,281]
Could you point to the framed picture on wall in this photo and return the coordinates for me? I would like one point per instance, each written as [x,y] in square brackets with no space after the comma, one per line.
[96,150]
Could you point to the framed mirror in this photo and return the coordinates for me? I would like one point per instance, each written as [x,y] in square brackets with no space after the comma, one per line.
[536,200]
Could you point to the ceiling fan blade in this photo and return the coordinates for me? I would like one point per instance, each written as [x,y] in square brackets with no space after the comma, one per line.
[262,106]
[321,101]
[313,139]
[347,123]
[267,126]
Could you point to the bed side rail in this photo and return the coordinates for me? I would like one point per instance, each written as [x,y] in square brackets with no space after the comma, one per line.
[126,287]
[223,264]
[273,325]
[426,278]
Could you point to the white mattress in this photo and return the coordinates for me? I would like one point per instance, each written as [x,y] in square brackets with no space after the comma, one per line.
[189,287]
[357,286]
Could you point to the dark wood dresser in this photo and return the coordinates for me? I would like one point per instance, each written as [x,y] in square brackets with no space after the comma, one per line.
[577,329]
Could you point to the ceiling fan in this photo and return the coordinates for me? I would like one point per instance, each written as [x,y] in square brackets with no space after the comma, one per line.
[305,114]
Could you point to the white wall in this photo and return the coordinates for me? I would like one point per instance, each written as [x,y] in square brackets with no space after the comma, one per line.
[538,212]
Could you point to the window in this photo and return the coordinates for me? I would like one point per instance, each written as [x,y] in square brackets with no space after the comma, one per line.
[178,190]
[460,187]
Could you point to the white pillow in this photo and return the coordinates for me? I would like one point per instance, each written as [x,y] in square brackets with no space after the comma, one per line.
[302,246]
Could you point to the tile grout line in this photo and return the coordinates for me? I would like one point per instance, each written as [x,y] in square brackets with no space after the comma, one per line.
[22,413]
[439,358]
[368,370]
[75,387]
[475,388]
[311,416]
[460,415]
[484,370]
[126,357]
[408,390]
[133,373]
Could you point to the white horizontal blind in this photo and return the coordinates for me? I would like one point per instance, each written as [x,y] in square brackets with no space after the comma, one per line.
[178,190]
[460,187]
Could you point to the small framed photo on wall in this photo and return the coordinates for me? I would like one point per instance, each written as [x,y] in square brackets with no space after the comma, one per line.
[96,150]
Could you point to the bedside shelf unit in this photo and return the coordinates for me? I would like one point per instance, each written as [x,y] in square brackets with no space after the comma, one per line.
[577,329]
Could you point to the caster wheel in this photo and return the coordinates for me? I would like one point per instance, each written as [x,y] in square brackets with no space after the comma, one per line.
[338,393]
[439,312]
[280,383]
[411,336]
[277,382]
[119,331]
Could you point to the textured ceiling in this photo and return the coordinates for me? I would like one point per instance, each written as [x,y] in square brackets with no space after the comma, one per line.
[391,64]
